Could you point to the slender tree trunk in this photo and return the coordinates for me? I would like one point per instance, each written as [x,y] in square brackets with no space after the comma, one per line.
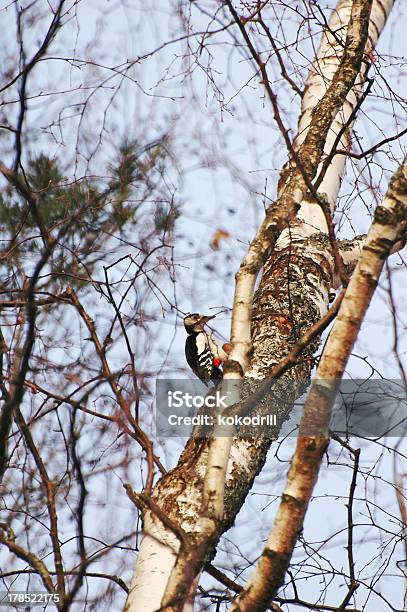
[387,228]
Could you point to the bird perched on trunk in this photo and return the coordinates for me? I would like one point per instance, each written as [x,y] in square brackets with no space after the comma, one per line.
[203,354]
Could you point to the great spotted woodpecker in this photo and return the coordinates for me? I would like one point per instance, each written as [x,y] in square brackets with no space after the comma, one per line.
[203,354]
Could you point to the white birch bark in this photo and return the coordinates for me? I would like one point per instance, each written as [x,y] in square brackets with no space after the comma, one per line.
[275,330]
[155,560]
[339,135]
[220,444]
[388,226]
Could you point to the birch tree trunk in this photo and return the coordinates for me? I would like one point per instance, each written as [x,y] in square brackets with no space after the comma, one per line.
[388,226]
[295,245]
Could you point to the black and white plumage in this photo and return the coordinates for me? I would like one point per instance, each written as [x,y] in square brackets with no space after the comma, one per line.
[202,352]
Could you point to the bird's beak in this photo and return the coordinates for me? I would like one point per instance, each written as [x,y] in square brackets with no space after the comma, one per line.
[206,319]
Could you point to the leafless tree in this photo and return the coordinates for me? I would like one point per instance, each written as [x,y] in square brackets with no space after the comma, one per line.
[96,258]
